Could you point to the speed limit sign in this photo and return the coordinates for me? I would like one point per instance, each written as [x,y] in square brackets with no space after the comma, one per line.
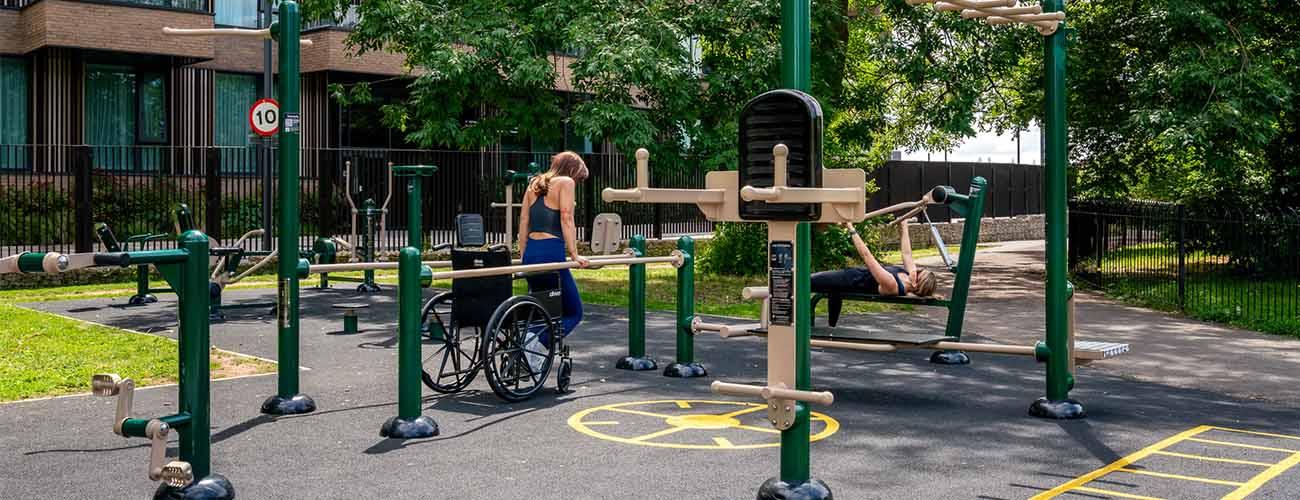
[264,117]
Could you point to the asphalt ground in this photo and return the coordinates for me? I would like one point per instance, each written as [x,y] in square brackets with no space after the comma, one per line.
[907,429]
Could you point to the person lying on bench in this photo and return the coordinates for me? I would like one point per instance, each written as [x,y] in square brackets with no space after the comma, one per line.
[877,279]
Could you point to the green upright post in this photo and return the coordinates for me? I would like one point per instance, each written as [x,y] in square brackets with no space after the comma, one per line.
[1057,403]
[192,335]
[685,366]
[287,400]
[636,359]
[408,423]
[368,244]
[415,175]
[796,479]
[970,207]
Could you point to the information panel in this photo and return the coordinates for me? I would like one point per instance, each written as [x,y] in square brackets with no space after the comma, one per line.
[780,283]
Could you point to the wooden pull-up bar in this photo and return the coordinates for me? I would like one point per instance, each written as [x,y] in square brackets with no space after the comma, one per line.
[264,33]
[999,12]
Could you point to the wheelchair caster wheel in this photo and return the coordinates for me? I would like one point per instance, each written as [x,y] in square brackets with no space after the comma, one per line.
[139,300]
[564,376]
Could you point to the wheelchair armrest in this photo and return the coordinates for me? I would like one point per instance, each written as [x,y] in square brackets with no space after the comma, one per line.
[499,247]
[441,246]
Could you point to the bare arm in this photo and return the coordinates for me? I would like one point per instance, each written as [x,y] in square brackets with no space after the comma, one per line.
[529,196]
[886,282]
[905,248]
[568,204]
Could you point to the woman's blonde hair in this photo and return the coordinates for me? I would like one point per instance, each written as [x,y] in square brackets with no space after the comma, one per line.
[925,283]
[565,164]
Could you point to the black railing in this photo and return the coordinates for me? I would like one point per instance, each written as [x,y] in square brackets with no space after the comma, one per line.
[55,194]
[1238,267]
[185,5]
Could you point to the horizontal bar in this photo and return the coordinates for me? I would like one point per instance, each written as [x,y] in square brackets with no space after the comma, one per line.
[785,194]
[724,331]
[676,259]
[769,393]
[34,262]
[754,292]
[852,346]
[1023,9]
[1018,350]
[664,195]
[264,33]
[897,207]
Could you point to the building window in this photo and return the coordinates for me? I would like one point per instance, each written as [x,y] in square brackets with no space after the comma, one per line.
[14,96]
[241,13]
[126,116]
[235,95]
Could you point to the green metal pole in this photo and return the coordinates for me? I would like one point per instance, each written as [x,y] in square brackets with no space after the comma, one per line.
[287,400]
[1057,403]
[408,423]
[142,283]
[685,366]
[194,344]
[636,359]
[415,224]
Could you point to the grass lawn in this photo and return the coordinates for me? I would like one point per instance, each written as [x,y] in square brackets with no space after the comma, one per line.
[42,354]
[1266,306]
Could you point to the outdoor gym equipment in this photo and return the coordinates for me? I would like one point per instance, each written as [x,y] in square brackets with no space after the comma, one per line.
[366,249]
[144,294]
[186,269]
[481,326]
[287,399]
[512,179]
[780,181]
[1049,19]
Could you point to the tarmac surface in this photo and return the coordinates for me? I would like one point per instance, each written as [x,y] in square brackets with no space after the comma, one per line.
[900,427]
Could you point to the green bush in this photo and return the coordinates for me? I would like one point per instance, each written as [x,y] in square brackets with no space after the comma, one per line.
[35,214]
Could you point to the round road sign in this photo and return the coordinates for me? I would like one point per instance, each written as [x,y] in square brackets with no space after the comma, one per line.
[264,117]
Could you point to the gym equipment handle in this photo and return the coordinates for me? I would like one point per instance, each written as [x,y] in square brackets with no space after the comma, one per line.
[769,393]
[120,259]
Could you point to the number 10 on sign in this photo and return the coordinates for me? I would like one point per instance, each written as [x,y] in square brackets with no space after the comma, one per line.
[264,117]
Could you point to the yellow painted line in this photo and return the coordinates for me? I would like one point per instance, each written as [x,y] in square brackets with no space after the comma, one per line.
[639,412]
[758,429]
[738,413]
[1212,459]
[1265,434]
[723,442]
[601,422]
[665,432]
[1242,445]
[1100,491]
[683,404]
[1180,477]
[1255,482]
[1121,463]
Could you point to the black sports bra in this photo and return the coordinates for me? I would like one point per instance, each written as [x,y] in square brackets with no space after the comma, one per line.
[544,219]
[893,271]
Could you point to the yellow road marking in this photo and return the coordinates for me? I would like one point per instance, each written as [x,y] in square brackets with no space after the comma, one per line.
[1255,482]
[689,421]
[1121,463]
[1212,459]
[639,412]
[1179,476]
[1242,445]
[660,433]
[1100,491]
[1265,434]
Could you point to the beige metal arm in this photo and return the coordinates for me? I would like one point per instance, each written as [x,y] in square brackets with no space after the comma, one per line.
[643,193]
[844,200]
[779,392]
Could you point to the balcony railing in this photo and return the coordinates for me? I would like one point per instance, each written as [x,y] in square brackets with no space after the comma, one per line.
[349,20]
[186,5]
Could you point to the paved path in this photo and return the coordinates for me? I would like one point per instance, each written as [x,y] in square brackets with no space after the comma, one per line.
[908,429]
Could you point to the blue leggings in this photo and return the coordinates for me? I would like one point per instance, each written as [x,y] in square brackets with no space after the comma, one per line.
[552,250]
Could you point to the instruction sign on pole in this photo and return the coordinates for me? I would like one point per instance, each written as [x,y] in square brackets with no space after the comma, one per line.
[264,117]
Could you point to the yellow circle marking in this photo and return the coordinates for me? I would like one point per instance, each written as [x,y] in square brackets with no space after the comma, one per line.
[696,422]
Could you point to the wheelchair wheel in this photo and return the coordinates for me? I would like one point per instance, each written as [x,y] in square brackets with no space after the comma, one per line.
[511,341]
[454,359]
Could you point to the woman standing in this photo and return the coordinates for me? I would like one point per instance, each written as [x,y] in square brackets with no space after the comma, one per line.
[547,233]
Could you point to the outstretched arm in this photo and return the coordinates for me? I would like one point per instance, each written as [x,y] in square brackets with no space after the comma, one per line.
[905,248]
[886,283]
[568,226]
[529,197]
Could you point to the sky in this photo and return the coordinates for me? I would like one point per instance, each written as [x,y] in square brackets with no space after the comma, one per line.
[988,146]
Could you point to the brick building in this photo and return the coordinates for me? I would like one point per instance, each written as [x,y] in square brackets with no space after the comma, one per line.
[101,73]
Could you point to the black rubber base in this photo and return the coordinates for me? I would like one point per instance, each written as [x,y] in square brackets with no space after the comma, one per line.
[1057,410]
[949,358]
[139,300]
[687,370]
[214,487]
[636,364]
[368,288]
[293,405]
[812,489]
[400,428]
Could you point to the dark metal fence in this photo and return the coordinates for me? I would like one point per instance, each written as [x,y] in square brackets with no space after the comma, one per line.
[1217,264]
[1012,190]
[55,194]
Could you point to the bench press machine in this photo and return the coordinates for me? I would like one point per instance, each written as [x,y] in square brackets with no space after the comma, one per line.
[780,181]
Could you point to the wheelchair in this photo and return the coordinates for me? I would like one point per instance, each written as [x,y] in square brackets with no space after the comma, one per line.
[482,325]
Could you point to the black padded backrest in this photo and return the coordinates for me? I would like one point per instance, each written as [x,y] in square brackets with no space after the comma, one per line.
[787,117]
[474,299]
[469,230]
